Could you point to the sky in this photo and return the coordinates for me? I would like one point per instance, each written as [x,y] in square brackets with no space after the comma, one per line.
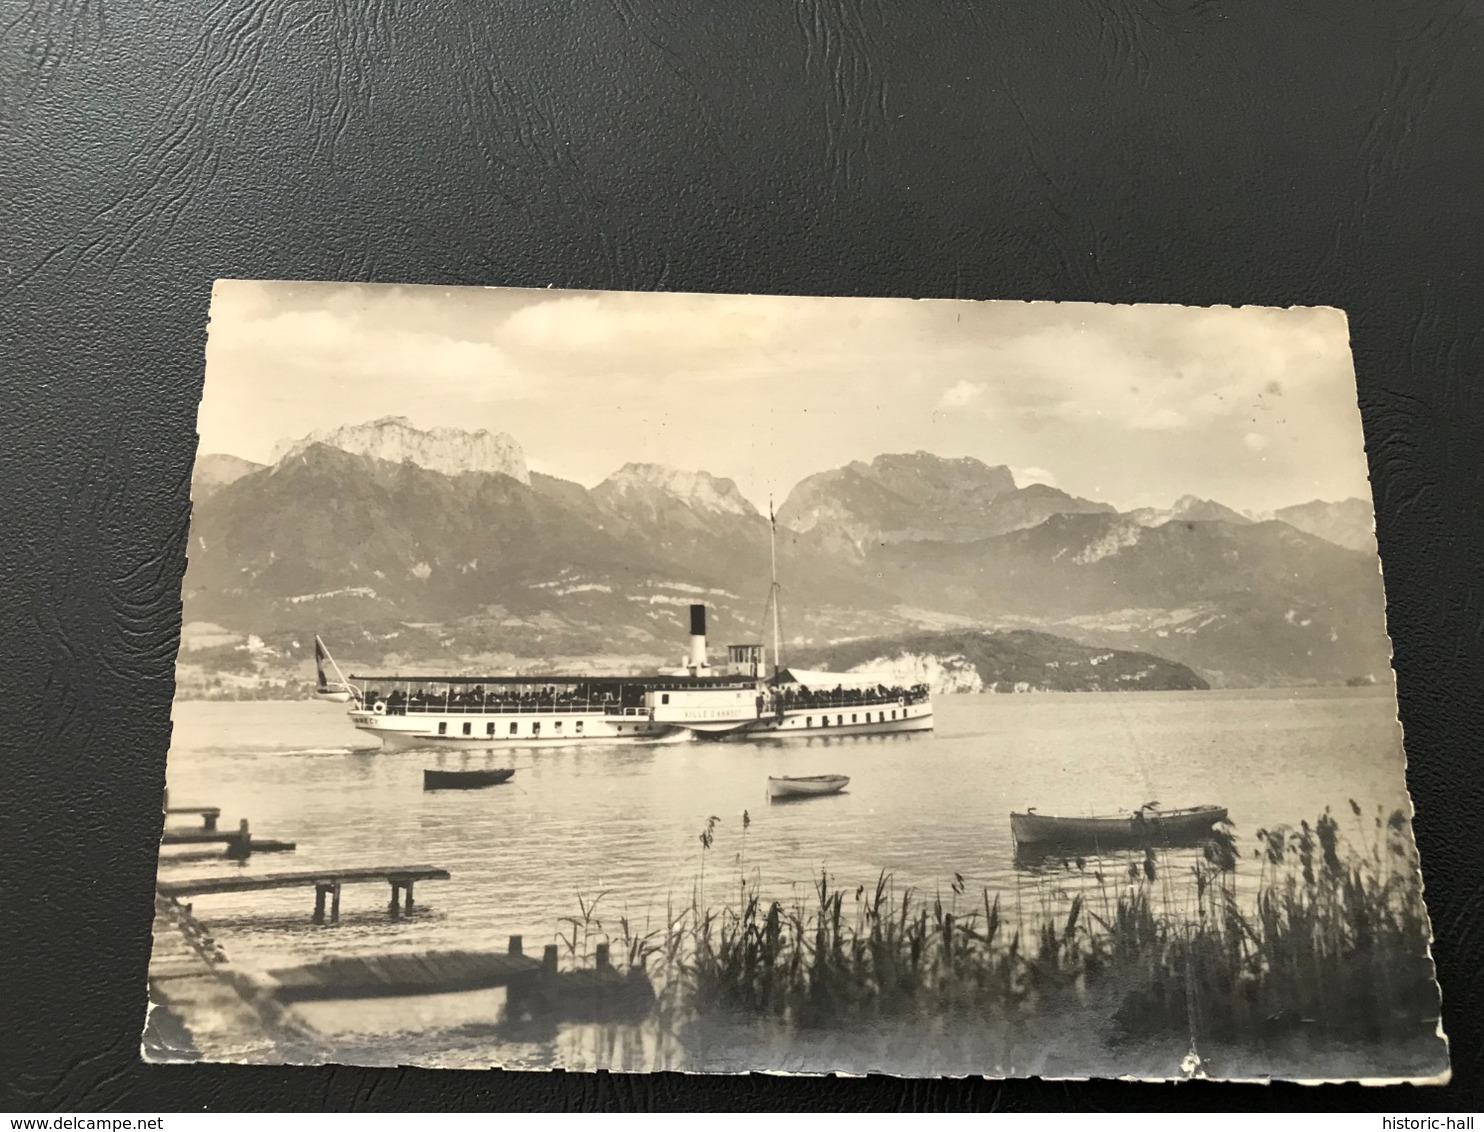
[1132,405]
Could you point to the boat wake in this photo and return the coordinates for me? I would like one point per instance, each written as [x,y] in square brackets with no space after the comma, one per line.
[679,738]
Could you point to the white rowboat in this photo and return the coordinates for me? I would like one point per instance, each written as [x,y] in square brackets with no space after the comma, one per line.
[818,784]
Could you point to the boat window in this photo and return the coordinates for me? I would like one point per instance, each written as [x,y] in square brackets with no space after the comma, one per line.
[489,729]
[536,728]
[579,727]
[852,717]
[514,728]
[468,727]
[443,729]
[809,721]
[893,713]
[839,721]
[665,698]
[557,726]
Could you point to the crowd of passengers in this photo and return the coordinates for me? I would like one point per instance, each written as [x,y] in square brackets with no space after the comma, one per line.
[550,698]
[840,696]
[479,698]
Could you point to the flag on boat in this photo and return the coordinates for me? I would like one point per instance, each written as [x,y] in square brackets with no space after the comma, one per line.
[337,690]
[319,663]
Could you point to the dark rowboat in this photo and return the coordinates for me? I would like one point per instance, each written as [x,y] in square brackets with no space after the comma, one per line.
[1142,827]
[464,779]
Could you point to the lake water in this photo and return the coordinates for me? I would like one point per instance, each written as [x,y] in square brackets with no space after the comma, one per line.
[621,825]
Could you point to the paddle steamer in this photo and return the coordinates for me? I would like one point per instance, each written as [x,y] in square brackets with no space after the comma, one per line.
[749,698]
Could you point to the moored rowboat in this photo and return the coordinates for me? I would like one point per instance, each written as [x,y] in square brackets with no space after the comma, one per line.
[464,779]
[786,787]
[1142,827]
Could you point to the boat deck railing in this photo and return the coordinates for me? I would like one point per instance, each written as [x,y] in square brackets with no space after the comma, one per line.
[580,707]
[788,701]
[864,698]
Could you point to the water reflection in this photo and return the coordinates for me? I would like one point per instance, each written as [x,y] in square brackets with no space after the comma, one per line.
[622,823]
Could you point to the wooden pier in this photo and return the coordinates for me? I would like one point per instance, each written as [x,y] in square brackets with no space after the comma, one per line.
[239,843]
[535,989]
[326,884]
[410,973]
[208,814]
[216,837]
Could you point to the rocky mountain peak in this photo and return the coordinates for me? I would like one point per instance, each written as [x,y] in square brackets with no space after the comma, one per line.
[1189,508]
[701,491]
[924,474]
[215,470]
[450,451]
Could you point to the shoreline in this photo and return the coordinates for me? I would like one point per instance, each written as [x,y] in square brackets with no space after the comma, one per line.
[1270,689]
[201,1008]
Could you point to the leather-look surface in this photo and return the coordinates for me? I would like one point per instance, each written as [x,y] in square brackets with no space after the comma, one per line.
[1192,151]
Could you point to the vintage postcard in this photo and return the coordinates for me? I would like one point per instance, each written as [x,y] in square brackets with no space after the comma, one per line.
[743,683]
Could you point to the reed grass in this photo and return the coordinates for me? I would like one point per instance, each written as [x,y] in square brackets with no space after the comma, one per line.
[1332,942]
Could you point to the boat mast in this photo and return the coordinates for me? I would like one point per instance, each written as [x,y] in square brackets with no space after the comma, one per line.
[773,589]
[343,685]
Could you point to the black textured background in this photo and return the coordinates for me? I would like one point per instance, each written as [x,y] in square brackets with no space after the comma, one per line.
[1195,151]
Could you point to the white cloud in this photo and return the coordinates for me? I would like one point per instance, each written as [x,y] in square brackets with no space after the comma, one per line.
[1159,420]
[358,348]
[1148,368]
[1117,401]
[960,394]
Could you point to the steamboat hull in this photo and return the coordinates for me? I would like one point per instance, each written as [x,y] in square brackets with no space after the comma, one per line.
[497,731]
[491,732]
[840,722]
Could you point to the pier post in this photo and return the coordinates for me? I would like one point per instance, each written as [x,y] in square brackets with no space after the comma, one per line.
[319,903]
[208,821]
[516,945]
[603,962]
[240,848]
[396,905]
[408,908]
[335,903]
[549,960]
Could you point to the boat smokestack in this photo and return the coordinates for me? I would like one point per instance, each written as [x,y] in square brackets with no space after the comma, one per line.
[697,637]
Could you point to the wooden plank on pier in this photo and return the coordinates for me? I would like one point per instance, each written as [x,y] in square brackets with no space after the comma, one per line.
[257,844]
[250,882]
[396,974]
[208,814]
[215,837]
[195,837]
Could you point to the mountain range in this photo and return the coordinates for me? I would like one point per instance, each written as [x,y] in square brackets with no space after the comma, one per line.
[918,498]
[1351,522]
[443,545]
[451,451]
